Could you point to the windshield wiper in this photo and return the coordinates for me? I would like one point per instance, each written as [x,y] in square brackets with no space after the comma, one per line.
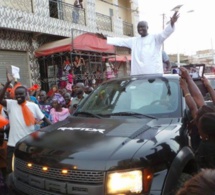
[88,113]
[135,114]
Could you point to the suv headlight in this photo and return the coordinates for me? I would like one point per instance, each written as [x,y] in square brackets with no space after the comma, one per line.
[127,182]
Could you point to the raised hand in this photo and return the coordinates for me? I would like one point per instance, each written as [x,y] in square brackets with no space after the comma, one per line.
[184,73]
[174,18]
[10,78]
[205,81]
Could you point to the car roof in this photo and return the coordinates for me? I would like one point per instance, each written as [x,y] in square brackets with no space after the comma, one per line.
[208,76]
[168,76]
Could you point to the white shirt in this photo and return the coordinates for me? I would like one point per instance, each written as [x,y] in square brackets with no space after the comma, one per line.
[18,128]
[146,55]
[77,101]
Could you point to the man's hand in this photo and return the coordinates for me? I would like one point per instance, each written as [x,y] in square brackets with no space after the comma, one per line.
[101,36]
[10,78]
[184,73]
[206,82]
[174,18]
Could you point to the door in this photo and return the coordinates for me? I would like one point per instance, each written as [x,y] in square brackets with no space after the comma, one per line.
[15,58]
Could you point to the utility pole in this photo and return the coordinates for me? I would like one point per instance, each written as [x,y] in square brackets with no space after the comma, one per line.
[163,25]
[212,52]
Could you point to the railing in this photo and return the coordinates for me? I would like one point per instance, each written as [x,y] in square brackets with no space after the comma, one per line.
[128,29]
[88,80]
[67,12]
[23,5]
[103,22]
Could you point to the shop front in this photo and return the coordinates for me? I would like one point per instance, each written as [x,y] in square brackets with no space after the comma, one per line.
[83,55]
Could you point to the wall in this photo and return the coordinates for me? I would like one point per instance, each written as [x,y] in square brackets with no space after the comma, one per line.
[103,7]
[125,14]
[19,41]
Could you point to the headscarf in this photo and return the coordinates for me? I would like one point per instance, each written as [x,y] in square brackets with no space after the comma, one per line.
[34,87]
[59,98]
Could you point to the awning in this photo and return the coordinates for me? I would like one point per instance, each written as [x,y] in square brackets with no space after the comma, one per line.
[85,42]
[118,58]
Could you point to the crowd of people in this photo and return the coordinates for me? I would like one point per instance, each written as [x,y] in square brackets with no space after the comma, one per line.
[78,71]
[201,128]
[39,109]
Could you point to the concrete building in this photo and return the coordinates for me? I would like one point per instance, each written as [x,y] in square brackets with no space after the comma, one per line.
[27,24]
[206,57]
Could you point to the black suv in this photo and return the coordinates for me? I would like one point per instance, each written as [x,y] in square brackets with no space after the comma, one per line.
[128,137]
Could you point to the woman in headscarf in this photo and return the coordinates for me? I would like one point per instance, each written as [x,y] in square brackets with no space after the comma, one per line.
[58,112]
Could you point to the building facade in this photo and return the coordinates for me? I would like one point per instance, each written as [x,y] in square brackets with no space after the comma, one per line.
[206,57]
[27,24]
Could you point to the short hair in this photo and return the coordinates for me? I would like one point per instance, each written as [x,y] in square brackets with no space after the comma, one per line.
[22,87]
[207,123]
[203,110]
[201,183]
[67,93]
[143,22]
[79,85]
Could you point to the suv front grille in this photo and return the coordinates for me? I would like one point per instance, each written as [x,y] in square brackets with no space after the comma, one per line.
[89,177]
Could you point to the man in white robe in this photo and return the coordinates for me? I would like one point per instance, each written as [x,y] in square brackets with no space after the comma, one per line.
[146,53]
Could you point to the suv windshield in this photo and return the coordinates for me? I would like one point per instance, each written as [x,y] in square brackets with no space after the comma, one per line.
[146,96]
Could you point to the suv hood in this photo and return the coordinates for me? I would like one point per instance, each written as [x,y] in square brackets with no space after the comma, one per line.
[88,143]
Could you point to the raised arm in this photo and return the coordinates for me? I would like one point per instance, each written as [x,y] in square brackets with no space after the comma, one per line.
[121,42]
[174,18]
[209,88]
[188,98]
[193,88]
[2,94]
[117,41]
[168,30]
[82,60]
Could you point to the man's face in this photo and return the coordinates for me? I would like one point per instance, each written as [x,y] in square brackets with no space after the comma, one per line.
[80,93]
[42,96]
[67,97]
[142,28]
[20,95]
[77,87]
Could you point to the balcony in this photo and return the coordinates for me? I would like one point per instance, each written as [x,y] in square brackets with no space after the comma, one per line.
[22,5]
[67,12]
[128,29]
[103,22]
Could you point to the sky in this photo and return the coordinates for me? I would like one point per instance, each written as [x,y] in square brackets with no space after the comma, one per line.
[194,30]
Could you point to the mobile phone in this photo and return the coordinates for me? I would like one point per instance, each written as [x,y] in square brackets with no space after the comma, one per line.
[196,71]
